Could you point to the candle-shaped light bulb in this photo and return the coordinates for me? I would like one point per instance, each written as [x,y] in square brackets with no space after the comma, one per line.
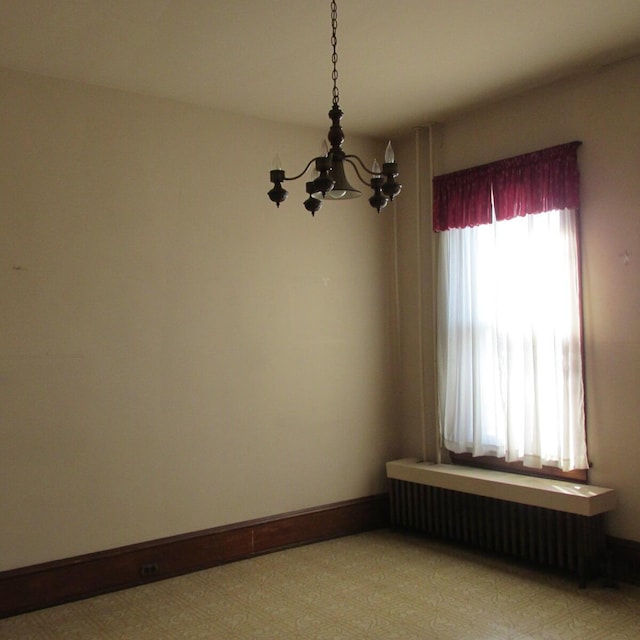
[324,152]
[276,162]
[389,156]
[375,169]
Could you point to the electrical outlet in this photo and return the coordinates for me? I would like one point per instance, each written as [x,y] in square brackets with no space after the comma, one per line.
[149,569]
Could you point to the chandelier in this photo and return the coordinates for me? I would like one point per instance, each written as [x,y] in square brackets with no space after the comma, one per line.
[331,181]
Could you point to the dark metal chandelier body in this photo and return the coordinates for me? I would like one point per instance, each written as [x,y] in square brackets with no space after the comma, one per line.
[331,182]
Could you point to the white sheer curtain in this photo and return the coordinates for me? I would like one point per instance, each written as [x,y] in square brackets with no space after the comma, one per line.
[509,341]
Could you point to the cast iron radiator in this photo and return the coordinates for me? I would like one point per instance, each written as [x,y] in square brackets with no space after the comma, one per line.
[567,541]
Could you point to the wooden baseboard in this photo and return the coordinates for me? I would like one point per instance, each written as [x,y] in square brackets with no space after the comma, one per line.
[60,581]
[625,556]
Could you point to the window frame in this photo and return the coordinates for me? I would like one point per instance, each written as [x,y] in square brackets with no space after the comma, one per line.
[462,220]
[500,464]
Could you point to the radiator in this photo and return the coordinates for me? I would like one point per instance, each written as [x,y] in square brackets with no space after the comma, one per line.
[547,537]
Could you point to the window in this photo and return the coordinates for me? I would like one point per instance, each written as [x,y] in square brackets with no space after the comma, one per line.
[509,331]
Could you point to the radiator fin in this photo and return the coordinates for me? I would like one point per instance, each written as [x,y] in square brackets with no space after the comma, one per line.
[552,538]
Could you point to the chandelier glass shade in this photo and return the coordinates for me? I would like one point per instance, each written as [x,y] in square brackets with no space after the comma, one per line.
[331,182]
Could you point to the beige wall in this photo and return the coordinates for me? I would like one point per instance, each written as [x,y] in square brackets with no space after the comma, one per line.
[175,352]
[602,111]
[415,267]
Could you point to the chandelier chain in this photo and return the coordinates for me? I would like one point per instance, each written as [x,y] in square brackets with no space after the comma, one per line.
[334,57]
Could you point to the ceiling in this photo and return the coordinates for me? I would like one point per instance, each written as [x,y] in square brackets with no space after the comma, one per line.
[401,64]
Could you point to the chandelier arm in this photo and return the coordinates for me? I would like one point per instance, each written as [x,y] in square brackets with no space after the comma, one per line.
[348,159]
[362,164]
[305,169]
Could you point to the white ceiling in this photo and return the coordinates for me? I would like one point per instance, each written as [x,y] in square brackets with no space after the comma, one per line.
[401,64]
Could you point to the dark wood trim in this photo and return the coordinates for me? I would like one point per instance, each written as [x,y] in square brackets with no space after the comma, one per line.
[625,559]
[500,464]
[52,583]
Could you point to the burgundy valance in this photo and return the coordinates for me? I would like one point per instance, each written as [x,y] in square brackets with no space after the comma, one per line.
[531,183]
